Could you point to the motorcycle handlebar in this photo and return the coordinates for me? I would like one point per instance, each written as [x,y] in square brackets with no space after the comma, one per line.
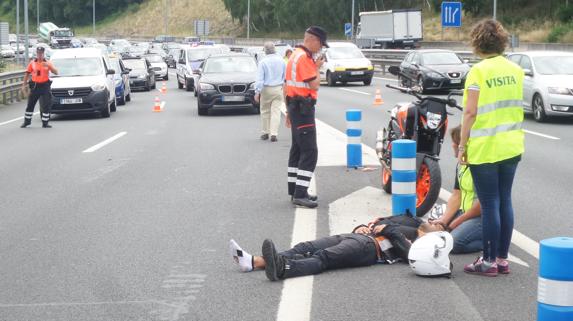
[449,101]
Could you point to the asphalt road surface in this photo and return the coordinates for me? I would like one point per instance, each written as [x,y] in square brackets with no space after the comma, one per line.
[138,228]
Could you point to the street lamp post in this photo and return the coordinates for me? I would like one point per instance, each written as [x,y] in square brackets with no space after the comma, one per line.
[37,13]
[94,17]
[248,19]
[352,26]
[26,30]
[494,9]
[165,17]
[17,29]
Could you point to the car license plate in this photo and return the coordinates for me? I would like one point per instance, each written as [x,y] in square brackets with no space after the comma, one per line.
[233,98]
[356,73]
[456,81]
[71,101]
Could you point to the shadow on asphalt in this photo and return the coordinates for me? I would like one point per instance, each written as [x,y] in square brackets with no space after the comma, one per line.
[232,112]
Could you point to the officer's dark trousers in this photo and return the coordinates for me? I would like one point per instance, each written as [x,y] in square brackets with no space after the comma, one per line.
[303,151]
[42,93]
[327,253]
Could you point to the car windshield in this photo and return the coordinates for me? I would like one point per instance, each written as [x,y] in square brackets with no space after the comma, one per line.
[345,53]
[63,33]
[135,64]
[441,58]
[196,54]
[78,67]
[154,58]
[230,64]
[552,65]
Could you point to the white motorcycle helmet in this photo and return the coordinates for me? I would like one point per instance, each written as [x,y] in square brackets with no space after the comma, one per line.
[429,254]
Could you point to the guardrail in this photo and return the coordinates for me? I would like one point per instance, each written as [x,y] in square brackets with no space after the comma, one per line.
[384,58]
[10,86]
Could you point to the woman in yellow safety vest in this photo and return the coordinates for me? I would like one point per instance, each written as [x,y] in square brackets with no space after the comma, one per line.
[492,141]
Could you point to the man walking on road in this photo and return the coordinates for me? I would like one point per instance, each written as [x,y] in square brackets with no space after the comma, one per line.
[269,91]
[39,69]
[301,89]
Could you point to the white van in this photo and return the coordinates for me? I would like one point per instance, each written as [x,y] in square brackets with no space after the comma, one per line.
[346,63]
[84,83]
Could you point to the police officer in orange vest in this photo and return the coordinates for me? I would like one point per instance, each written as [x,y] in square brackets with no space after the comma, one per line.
[301,90]
[39,69]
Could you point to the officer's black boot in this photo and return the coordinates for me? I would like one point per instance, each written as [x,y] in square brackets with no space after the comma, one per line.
[305,202]
[46,125]
[26,123]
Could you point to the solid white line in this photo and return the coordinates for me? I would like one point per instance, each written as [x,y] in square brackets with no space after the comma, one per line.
[518,238]
[16,119]
[389,79]
[355,91]
[296,297]
[541,135]
[105,142]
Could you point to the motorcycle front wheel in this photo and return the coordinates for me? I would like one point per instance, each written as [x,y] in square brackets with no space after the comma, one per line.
[428,185]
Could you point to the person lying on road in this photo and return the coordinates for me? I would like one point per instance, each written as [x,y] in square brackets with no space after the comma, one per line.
[385,240]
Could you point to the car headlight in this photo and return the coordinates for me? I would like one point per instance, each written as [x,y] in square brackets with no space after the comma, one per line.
[559,91]
[435,75]
[205,86]
[141,76]
[98,87]
[252,86]
[370,67]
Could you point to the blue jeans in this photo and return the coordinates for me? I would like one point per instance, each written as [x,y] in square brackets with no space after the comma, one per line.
[493,184]
[468,236]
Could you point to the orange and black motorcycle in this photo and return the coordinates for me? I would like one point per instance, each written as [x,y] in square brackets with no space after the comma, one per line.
[424,121]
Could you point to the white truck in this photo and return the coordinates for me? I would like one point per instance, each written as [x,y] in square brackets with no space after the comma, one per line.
[56,37]
[390,29]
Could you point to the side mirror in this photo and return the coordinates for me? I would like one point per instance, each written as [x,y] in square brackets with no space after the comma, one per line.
[110,72]
[394,70]
[528,72]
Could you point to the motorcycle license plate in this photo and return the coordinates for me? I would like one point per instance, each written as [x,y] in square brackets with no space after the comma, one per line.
[356,73]
[456,81]
[67,101]
[434,120]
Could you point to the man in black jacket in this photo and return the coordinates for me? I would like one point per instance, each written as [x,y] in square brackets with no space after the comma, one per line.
[385,240]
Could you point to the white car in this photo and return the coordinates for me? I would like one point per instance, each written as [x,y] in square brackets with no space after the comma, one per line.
[346,63]
[84,84]
[548,83]
[7,52]
[189,62]
[159,66]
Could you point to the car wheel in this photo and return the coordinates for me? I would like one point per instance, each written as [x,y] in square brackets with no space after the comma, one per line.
[421,84]
[106,112]
[154,84]
[166,76]
[538,109]
[121,100]
[113,106]
[179,84]
[128,97]
[367,82]
[188,86]
[147,87]
[331,82]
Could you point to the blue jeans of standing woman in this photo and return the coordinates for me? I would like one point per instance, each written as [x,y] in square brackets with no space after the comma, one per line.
[493,184]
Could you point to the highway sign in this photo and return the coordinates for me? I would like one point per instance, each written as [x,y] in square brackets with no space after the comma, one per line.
[451,14]
[201,27]
[348,29]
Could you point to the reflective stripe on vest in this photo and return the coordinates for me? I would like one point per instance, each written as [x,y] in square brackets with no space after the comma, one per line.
[496,134]
[293,82]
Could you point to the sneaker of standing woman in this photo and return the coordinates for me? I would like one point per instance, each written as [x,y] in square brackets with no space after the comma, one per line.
[492,141]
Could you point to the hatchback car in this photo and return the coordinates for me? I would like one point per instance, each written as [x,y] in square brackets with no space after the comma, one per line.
[141,76]
[346,63]
[159,66]
[548,83]
[227,81]
[433,69]
[121,79]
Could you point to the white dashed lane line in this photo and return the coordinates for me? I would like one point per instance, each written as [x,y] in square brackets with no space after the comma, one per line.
[15,119]
[105,142]
[541,135]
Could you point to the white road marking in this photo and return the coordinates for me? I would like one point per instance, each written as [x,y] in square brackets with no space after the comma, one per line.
[355,91]
[15,119]
[541,135]
[518,238]
[105,142]
[296,297]
[388,79]
[515,259]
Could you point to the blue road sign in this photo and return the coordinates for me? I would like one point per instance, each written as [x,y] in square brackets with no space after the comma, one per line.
[451,14]
[348,29]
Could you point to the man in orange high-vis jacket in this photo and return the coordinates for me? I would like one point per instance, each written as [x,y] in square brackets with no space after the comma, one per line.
[39,70]
[301,91]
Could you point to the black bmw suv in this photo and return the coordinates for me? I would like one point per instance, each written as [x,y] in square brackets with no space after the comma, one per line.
[227,81]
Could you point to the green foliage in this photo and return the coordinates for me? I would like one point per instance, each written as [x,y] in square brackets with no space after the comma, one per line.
[2,64]
[558,32]
[65,13]
[565,14]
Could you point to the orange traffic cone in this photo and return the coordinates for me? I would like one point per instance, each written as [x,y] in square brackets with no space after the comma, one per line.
[157,105]
[378,98]
[164,88]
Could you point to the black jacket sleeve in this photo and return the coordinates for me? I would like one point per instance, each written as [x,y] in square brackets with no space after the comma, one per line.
[400,243]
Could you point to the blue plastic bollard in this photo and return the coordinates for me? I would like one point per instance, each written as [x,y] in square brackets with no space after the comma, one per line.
[555,284]
[353,132]
[403,177]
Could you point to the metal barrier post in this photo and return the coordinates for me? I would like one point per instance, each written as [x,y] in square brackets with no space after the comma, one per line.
[555,284]
[403,177]
[353,132]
